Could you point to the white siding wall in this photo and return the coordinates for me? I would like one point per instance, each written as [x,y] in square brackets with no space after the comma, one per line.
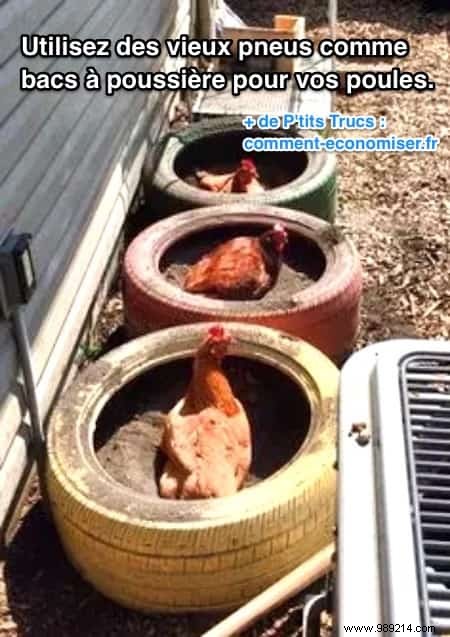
[69,166]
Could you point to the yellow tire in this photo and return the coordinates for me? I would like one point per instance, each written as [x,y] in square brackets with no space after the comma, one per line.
[172,556]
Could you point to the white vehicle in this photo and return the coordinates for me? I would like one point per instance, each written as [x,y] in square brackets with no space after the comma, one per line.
[393,532]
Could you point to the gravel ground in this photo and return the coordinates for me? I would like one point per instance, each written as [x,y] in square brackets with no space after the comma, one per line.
[395,207]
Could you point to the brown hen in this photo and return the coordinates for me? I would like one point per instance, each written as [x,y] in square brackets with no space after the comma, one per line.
[245,179]
[243,268]
[207,437]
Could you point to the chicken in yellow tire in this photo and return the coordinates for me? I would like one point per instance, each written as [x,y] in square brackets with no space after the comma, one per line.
[162,555]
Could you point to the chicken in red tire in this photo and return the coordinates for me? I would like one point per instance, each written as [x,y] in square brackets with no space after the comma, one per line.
[324,310]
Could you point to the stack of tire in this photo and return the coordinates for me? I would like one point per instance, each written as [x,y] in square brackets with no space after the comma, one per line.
[154,555]
[326,314]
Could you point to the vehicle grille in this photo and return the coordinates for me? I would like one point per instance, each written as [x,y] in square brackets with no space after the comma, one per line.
[425,385]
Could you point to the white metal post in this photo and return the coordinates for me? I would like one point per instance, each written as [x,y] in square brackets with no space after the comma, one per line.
[332,20]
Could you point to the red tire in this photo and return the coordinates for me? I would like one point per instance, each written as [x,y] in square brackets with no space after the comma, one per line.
[326,313]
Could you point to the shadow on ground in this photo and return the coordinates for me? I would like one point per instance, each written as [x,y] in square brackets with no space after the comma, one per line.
[47,598]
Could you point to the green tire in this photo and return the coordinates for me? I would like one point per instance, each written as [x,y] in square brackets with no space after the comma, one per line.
[312,191]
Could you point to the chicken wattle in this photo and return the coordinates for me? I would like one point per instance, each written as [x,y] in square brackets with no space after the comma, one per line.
[207,437]
[242,268]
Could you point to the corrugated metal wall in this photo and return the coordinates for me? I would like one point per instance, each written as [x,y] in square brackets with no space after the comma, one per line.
[69,164]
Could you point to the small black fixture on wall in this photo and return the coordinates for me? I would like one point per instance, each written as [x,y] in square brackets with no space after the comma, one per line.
[17,285]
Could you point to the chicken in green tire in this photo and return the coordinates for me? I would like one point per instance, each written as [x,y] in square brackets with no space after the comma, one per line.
[298,180]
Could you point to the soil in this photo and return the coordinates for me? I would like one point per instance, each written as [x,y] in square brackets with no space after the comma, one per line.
[303,263]
[129,429]
[287,285]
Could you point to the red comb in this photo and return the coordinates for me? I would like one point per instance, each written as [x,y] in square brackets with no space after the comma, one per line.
[248,164]
[217,331]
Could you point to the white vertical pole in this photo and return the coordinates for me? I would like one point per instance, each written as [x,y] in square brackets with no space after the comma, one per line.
[206,16]
[332,20]
[194,16]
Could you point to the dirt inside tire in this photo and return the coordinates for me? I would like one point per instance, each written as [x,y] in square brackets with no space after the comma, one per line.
[128,434]
[303,263]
